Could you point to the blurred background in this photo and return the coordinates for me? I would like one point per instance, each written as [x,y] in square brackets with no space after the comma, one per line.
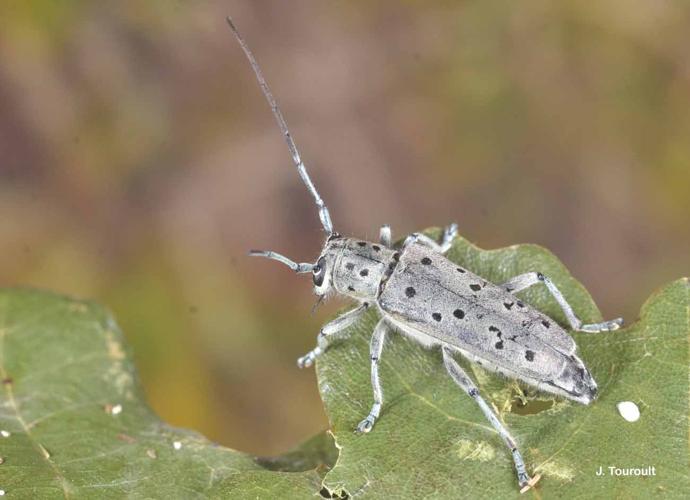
[139,162]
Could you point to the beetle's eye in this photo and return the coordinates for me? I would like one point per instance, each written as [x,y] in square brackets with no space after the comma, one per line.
[319,271]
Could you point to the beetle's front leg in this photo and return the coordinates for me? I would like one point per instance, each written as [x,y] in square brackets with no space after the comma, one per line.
[329,331]
[523,281]
[377,340]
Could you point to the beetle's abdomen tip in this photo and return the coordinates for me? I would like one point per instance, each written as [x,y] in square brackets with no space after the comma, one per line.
[590,395]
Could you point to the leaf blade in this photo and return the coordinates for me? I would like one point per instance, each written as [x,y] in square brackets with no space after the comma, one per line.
[432,441]
[77,424]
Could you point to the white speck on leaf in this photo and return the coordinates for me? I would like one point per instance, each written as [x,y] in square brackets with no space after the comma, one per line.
[4,433]
[116,410]
[177,445]
[629,411]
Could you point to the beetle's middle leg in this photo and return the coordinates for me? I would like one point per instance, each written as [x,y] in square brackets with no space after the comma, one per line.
[329,331]
[463,380]
[377,340]
[519,283]
[449,234]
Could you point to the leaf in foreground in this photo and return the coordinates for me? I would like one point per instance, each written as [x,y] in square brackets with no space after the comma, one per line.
[433,441]
[75,424]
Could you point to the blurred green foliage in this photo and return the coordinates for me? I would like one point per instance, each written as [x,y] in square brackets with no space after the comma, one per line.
[139,162]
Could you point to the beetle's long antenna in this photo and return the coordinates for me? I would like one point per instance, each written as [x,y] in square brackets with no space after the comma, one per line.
[302,267]
[324,215]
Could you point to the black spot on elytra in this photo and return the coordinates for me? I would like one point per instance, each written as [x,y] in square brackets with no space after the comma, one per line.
[376,248]
[459,313]
[545,323]
[426,261]
[508,305]
[436,316]
[362,243]
[410,292]
[391,266]
[396,256]
[475,287]
[351,288]
[529,355]
[494,329]
[499,344]
[350,266]
[364,272]
[520,303]
[460,269]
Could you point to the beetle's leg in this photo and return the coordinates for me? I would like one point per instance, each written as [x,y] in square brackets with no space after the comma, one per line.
[377,340]
[385,236]
[460,377]
[449,234]
[329,331]
[519,283]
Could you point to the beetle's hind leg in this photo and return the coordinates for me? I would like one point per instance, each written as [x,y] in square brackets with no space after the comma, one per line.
[330,330]
[377,340]
[449,234]
[523,281]
[463,380]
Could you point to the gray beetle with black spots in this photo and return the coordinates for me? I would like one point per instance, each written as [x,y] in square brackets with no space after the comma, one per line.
[418,292]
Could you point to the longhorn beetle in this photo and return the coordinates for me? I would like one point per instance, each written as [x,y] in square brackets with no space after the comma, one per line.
[420,293]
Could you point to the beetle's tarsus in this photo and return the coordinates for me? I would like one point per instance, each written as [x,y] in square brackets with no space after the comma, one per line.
[366,425]
[605,326]
[307,360]
[527,485]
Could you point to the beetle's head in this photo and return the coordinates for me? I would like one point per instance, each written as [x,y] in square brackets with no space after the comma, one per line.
[321,270]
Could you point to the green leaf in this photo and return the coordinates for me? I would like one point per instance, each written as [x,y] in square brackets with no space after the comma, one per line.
[432,441]
[76,425]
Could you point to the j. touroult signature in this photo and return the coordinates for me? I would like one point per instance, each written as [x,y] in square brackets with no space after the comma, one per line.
[613,470]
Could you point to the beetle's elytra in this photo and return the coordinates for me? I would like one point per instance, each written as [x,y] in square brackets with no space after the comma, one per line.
[418,292]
